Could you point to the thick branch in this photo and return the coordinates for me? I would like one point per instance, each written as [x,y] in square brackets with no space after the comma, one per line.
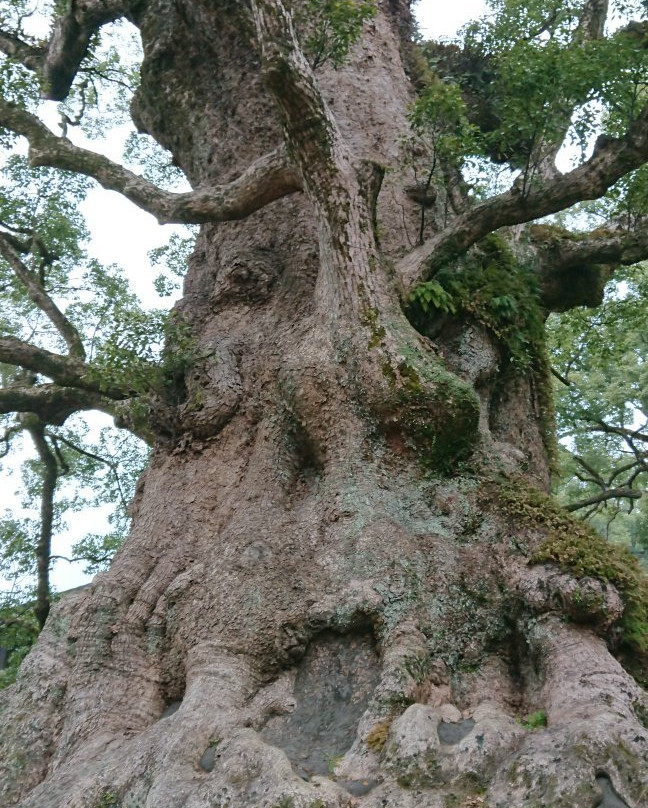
[310,127]
[64,370]
[268,178]
[592,22]
[612,159]
[23,52]
[343,194]
[620,247]
[53,404]
[603,496]
[49,477]
[69,42]
[573,272]
[41,299]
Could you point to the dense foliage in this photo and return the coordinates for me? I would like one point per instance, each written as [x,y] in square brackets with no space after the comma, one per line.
[601,384]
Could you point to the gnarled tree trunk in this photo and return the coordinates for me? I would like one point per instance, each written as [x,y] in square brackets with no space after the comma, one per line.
[325,600]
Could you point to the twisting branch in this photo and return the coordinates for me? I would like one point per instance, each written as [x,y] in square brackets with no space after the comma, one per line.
[265,180]
[610,488]
[612,159]
[40,298]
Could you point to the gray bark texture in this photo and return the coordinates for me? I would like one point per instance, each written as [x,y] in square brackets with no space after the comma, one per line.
[323,602]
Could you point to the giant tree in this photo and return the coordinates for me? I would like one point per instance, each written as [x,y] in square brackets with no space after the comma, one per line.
[345,583]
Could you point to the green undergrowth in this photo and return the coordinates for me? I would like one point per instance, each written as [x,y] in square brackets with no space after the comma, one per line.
[579,549]
[534,720]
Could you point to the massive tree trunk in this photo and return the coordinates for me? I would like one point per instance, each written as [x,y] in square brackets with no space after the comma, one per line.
[327,597]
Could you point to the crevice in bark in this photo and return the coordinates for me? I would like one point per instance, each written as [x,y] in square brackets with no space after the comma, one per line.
[333,685]
[610,798]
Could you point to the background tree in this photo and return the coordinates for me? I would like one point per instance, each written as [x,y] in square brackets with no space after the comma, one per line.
[55,293]
[598,360]
[344,581]
[43,262]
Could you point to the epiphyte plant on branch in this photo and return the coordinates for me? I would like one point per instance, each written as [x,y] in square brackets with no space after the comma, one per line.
[345,578]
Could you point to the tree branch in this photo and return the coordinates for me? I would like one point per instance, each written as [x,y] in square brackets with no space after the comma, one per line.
[612,159]
[68,45]
[310,127]
[52,403]
[623,247]
[595,476]
[28,55]
[10,431]
[592,21]
[267,179]
[114,467]
[573,272]
[562,379]
[41,299]
[603,496]
[66,371]
[49,478]
[631,434]
[542,160]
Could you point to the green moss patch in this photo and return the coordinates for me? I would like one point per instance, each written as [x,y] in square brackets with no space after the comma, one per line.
[492,287]
[580,550]
[496,290]
[535,720]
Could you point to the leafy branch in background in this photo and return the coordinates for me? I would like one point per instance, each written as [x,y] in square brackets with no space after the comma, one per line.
[67,320]
[601,385]
[73,338]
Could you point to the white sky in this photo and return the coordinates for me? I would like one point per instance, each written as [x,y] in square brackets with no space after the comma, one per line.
[123,234]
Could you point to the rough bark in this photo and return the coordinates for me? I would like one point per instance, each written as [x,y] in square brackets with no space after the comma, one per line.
[49,476]
[323,601]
